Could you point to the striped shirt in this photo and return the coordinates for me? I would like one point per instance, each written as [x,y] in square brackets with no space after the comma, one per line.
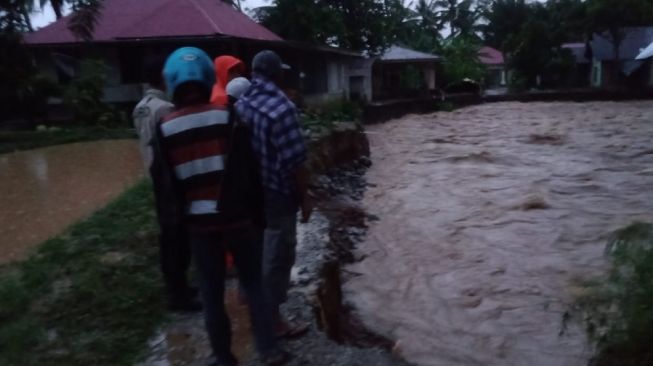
[194,141]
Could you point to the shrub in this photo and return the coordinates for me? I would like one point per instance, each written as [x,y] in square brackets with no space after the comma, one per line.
[518,82]
[619,309]
[324,116]
[461,60]
[34,94]
[84,96]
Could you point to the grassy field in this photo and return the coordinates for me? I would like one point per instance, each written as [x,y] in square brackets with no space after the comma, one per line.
[92,296]
[24,140]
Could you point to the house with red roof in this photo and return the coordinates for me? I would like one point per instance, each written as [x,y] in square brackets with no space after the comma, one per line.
[494,61]
[129,32]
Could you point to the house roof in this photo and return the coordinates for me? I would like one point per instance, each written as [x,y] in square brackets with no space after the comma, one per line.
[490,56]
[635,41]
[646,53]
[152,19]
[401,54]
[579,51]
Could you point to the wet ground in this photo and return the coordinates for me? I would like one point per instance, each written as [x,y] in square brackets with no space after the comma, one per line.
[46,190]
[333,339]
[489,217]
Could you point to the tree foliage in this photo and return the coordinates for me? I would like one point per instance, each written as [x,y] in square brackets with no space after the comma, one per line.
[531,35]
[364,25]
[459,16]
[461,60]
[56,5]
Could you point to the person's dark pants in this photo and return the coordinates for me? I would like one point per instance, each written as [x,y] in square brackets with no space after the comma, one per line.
[280,242]
[209,253]
[175,259]
[174,249]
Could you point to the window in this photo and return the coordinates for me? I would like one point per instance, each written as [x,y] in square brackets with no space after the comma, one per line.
[131,65]
[315,77]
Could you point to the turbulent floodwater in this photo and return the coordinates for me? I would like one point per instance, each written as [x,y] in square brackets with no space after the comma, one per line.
[46,190]
[489,217]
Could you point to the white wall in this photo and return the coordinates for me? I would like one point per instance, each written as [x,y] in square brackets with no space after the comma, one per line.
[337,82]
[362,68]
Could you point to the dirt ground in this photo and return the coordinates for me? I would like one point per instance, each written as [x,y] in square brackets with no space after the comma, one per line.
[489,220]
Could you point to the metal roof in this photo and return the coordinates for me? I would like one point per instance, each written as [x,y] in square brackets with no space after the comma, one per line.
[401,54]
[635,41]
[156,19]
[490,56]
[646,53]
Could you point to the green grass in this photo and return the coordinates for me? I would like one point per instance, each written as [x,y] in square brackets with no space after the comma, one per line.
[91,296]
[24,140]
[618,309]
[322,119]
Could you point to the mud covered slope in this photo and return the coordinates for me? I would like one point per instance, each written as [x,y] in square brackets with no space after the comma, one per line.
[488,219]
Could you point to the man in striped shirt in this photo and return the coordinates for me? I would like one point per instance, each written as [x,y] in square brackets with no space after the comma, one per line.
[194,140]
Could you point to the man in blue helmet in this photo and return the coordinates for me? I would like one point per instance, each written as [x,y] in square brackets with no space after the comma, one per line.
[277,139]
[194,142]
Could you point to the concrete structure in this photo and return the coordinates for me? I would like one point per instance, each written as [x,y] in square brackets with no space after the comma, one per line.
[403,73]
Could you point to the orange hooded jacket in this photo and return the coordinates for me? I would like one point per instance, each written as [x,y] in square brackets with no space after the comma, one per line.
[223,65]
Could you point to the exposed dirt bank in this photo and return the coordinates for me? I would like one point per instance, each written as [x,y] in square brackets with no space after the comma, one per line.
[336,338]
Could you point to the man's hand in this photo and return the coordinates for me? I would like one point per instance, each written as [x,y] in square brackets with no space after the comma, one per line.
[307,208]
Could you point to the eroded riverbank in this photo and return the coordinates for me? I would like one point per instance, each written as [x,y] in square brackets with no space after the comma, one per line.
[489,217]
[335,337]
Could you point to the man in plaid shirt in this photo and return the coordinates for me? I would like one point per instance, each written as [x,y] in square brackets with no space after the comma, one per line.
[278,142]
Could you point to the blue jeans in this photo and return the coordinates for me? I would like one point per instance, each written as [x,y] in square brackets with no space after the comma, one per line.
[279,245]
[209,255]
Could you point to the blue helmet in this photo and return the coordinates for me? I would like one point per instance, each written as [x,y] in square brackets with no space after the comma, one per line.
[185,65]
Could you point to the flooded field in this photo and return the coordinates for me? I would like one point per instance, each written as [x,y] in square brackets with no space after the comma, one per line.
[46,190]
[489,218]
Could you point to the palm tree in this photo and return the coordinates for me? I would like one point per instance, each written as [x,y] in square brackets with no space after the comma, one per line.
[57,6]
[461,16]
[235,3]
[25,7]
[85,16]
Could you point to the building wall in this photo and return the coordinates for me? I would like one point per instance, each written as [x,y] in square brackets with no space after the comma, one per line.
[359,78]
[328,72]
[115,90]
[337,85]
[496,77]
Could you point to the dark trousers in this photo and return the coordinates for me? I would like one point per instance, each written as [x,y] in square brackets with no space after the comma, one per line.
[279,248]
[175,258]
[209,253]
[174,249]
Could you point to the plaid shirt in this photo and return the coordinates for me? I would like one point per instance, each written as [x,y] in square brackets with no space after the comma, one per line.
[276,136]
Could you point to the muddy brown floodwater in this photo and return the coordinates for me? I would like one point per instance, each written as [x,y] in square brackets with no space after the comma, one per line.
[45,190]
[489,218]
